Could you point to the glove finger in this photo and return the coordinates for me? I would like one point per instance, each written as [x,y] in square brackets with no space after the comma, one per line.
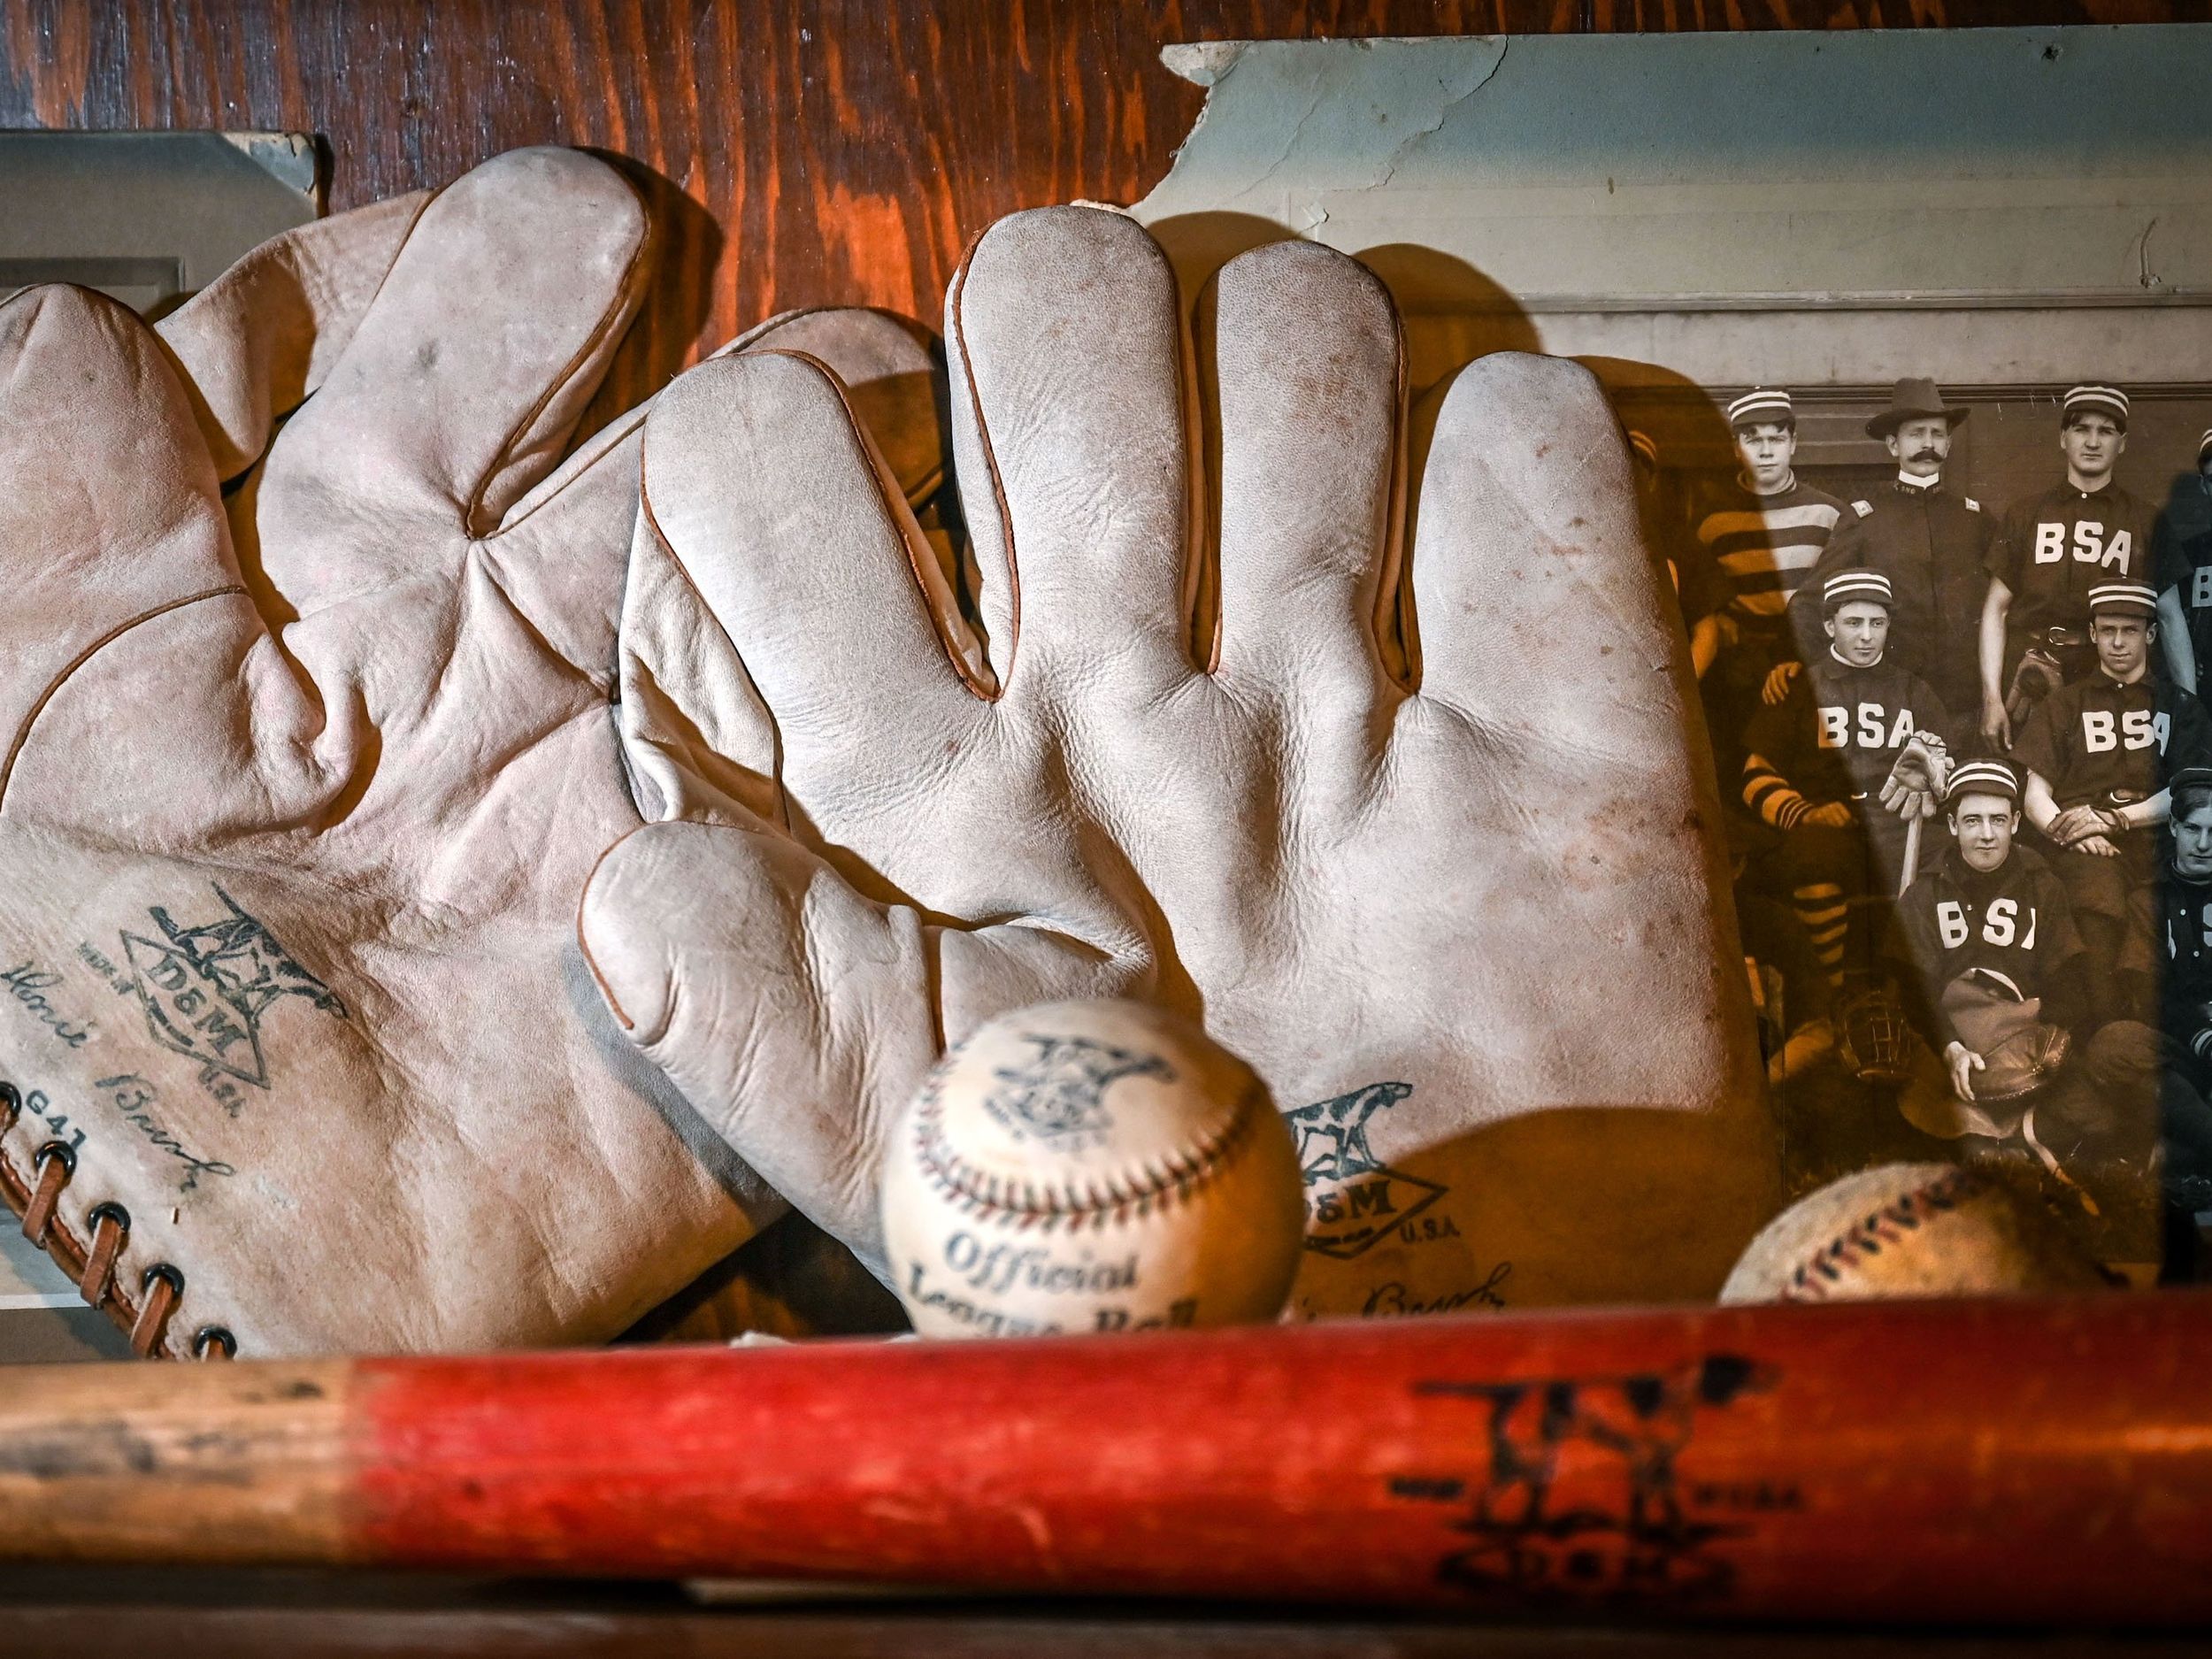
[464,379]
[139,694]
[1306,503]
[794,1015]
[756,575]
[553,557]
[1069,431]
[1527,519]
[256,341]
[892,378]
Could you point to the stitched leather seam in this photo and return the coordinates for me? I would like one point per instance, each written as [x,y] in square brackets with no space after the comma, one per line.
[23,733]
[959,327]
[1175,1181]
[617,318]
[62,1247]
[652,520]
[1883,1226]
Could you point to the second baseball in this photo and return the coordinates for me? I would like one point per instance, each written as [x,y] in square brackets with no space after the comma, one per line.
[1091,1166]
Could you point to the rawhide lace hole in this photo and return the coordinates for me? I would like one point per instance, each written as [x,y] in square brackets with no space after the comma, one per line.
[110,1225]
[166,1274]
[55,1164]
[51,1150]
[214,1336]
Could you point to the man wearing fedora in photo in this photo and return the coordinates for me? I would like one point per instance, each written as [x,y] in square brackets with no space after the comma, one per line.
[2184,570]
[2049,551]
[1931,541]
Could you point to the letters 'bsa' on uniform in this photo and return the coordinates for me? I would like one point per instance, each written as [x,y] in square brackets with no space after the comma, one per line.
[2015,920]
[2100,742]
[1933,545]
[2053,548]
[1836,733]
[2186,569]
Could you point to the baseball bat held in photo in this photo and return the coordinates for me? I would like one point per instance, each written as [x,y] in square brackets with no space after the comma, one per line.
[2023,1460]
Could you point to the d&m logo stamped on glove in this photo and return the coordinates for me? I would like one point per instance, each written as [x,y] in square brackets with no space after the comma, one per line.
[1354,1200]
[1060,1095]
[204,990]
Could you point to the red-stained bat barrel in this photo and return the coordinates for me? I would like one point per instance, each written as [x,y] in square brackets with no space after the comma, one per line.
[2023,1460]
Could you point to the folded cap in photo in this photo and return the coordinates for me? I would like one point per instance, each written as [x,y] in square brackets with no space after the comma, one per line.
[2139,597]
[1912,399]
[1982,776]
[1854,586]
[2089,399]
[1761,405]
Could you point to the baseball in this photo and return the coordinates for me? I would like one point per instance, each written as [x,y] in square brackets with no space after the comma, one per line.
[1091,1166]
[1909,1230]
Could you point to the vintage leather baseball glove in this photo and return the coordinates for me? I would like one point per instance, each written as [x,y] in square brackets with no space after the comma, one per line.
[1913,787]
[306,752]
[2021,1063]
[1413,816]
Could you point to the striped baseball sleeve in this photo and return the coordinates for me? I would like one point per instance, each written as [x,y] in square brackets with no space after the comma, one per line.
[1768,793]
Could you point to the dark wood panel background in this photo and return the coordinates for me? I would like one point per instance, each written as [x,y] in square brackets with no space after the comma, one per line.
[807,151]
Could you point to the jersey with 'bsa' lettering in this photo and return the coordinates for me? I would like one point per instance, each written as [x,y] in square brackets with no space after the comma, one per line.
[1836,734]
[2051,550]
[2015,920]
[2098,742]
[1932,543]
[2186,567]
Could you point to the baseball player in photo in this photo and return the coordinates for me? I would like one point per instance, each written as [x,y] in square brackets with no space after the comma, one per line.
[2184,573]
[1989,924]
[2049,551]
[1763,531]
[2098,753]
[2176,909]
[1930,539]
[1690,568]
[1818,759]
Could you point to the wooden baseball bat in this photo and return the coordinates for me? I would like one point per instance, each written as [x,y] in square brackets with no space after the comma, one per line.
[2022,1461]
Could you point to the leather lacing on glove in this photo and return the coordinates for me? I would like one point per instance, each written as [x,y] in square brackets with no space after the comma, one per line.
[91,1261]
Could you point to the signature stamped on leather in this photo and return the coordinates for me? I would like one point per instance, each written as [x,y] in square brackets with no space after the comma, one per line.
[1059,1096]
[1354,1200]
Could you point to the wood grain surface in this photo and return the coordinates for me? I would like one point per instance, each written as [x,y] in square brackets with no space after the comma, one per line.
[803,151]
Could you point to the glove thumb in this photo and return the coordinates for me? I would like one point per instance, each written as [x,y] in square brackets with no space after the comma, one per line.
[795,1014]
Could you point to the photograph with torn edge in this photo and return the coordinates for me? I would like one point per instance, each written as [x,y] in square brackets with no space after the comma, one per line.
[1920,408]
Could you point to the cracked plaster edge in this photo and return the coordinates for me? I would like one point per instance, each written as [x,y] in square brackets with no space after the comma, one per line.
[1210,64]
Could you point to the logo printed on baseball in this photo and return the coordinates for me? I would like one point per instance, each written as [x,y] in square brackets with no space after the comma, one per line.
[1091,1166]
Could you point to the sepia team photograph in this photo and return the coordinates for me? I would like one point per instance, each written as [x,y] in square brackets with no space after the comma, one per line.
[1948,643]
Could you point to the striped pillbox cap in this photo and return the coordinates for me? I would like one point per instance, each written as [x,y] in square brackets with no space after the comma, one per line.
[1982,776]
[1846,586]
[1762,404]
[2100,400]
[2204,446]
[2123,596]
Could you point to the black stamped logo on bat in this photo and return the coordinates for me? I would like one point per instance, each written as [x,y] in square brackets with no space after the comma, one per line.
[1354,1200]
[1585,1498]
[205,987]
